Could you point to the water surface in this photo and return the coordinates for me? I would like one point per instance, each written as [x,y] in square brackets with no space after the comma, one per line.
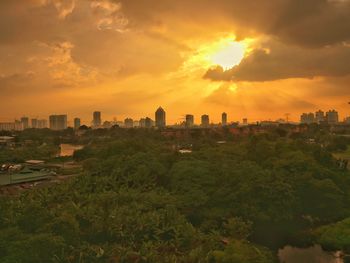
[68,149]
[313,254]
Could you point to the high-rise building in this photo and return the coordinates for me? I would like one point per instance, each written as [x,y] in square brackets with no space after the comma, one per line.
[7,126]
[11,126]
[129,123]
[58,122]
[97,121]
[25,122]
[332,117]
[245,121]
[224,119]
[77,123]
[148,123]
[320,117]
[42,124]
[189,120]
[142,123]
[18,125]
[160,118]
[205,121]
[34,123]
[307,118]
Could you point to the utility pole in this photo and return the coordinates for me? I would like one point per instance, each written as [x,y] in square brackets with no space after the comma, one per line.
[287,117]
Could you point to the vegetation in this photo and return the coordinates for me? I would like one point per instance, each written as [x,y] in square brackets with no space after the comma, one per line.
[139,200]
[335,236]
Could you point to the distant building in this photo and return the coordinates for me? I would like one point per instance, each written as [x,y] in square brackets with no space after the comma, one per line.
[347,120]
[129,123]
[245,121]
[18,125]
[142,123]
[205,121]
[332,117]
[148,123]
[42,124]
[34,123]
[96,121]
[160,118]
[224,119]
[189,121]
[58,122]
[307,118]
[77,123]
[7,126]
[320,117]
[25,122]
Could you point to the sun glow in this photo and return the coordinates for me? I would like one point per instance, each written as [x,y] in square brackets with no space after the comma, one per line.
[228,53]
[225,52]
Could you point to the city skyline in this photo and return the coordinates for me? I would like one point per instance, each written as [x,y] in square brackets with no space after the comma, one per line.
[62,121]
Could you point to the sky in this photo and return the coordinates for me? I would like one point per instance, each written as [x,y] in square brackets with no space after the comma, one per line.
[252,59]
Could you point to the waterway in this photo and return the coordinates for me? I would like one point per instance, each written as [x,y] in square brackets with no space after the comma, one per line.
[68,149]
[313,254]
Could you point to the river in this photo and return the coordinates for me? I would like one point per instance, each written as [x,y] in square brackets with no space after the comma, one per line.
[313,254]
[68,149]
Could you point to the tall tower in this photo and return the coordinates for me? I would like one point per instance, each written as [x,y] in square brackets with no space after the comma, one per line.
[77,123]
[96,122]
[332,117]
[160,118]
[25,122]
[58,122]
[189,120]
[205,121]
[224,119]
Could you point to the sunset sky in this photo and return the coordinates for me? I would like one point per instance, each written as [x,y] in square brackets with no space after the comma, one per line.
[256,59]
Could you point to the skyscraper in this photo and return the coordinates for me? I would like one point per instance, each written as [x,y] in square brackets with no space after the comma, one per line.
[148,123]
[42,124]
[189,120]
[25,122]
[320,117]
[307,118]
[58,122]
[34,123]
[224,119]
[96,122]
[77,123]
[205,121]
[129,123]
[142,123]
[332,117]
[160,118]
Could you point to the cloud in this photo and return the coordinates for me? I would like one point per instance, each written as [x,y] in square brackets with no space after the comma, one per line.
[71,46]
[275,60]
[312,23]
[110,16]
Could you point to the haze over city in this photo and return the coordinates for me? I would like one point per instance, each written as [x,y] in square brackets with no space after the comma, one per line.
[254,59]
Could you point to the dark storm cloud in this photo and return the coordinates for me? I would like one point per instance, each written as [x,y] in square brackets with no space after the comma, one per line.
[275,60]
[310,23]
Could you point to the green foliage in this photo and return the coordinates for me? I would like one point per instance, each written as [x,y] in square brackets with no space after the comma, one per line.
[335,236]
[242,252]
[139,200]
